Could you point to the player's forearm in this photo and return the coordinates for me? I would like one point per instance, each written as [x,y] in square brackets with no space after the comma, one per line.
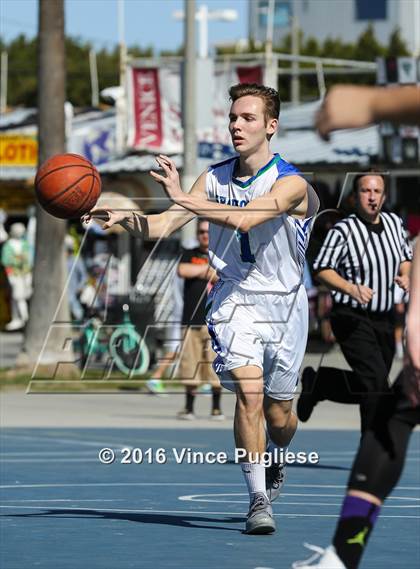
[397,104]
[214,212]
[334,281]
[244,218]
[154,226]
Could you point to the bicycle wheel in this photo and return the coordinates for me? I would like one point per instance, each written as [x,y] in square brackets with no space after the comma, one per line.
[88,343]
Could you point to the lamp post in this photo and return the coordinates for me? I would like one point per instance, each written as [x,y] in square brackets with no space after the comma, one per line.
[202,16]
[121,103]
[269,32]
[270,65]
[270,75]
[295,85]
[194,69]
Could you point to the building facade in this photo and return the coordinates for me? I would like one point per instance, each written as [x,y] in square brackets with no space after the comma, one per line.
[344,19]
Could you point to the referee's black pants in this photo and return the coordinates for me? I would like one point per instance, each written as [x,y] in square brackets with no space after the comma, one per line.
[368,343]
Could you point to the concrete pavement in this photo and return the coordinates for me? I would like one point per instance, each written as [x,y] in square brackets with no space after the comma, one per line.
[18,409]
[10,345]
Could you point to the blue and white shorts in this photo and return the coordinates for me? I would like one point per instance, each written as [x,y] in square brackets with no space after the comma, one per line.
[269,331]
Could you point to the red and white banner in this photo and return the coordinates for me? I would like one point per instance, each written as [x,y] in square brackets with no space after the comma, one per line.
[147,110]
[154,106]
[154,115]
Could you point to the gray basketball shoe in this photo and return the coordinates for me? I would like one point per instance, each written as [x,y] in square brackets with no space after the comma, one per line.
[275,475]
[260,516]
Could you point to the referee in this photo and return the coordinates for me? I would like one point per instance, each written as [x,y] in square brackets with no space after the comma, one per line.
[363,258]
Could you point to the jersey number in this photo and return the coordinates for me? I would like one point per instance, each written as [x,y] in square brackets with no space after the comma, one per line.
[246,254]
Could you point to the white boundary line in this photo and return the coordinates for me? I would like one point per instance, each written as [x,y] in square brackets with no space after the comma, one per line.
[46,453]
[107,442]
[169,460]
[110,484]
[149,441]
[45,460]
[193,513]
[200,497]
[199,484]
[63,500]
[53,453]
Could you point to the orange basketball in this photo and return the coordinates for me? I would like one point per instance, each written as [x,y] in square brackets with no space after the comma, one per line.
[67,185]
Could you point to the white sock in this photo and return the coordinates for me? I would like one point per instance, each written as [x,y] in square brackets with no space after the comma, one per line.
[278,452]
[254,475]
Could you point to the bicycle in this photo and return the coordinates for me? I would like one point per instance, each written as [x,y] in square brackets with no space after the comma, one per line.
[126,347]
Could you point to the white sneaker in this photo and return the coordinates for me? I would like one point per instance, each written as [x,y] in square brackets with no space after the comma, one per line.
[325,558]
[15,324]
[185,415]
[216,415]
[156,387]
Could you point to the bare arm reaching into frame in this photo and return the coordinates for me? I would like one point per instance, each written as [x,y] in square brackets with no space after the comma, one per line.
[356,107]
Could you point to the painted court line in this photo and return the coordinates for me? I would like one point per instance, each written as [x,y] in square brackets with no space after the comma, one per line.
[118,444]
[199,484]
[191,512]
[169,460]
[63,500]
[185,498]
[45,459]
[48,453]
[167,446]
[65,441]
[106,484]
[337,504]
[203,497]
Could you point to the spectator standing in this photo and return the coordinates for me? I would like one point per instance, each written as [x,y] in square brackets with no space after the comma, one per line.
[195,366]
[15,257]
[77,278]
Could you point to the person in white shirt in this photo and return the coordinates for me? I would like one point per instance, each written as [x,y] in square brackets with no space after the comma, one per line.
[260,211]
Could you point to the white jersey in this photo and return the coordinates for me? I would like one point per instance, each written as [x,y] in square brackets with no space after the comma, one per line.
[271,256]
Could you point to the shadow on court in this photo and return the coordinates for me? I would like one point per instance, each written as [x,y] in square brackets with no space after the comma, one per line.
[317,466]
[180,521]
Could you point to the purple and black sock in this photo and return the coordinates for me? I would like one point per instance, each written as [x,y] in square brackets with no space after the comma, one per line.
[356,522]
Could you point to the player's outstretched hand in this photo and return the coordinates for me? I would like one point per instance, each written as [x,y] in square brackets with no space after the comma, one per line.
[170,183]
[108,217]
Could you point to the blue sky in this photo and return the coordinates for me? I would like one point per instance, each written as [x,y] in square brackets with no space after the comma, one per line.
[147,22]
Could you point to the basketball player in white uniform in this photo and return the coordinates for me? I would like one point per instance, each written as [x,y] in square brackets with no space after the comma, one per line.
[260,211]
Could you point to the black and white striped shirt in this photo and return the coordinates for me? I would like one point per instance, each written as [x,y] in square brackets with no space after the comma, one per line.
[367,254]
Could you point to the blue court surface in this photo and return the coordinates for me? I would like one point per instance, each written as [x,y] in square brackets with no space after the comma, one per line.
[62,509]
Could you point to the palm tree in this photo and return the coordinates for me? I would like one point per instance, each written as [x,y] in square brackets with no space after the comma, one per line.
[45,341]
